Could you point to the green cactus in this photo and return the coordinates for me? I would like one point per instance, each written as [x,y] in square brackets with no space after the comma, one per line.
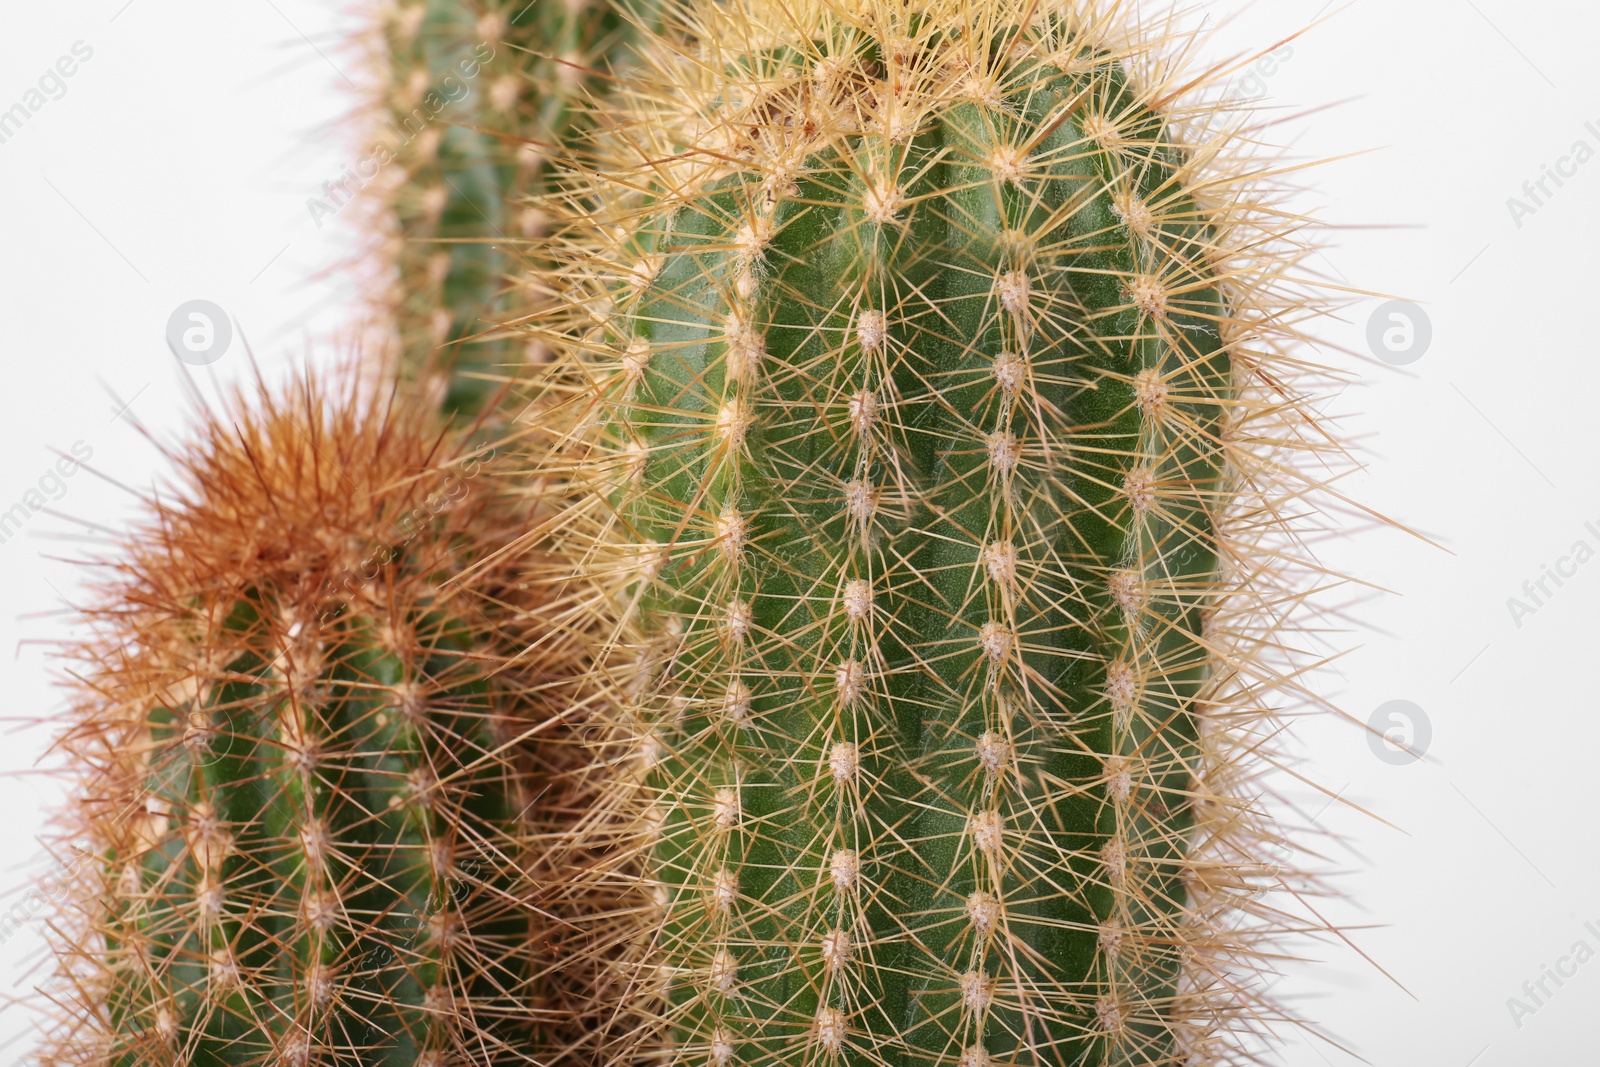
[475,259]
[483,93]
[907,348]
[298,751]
[450,72]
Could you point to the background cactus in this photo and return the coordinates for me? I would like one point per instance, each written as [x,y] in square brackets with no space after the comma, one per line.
[299,760]
[931,359]
[482,93]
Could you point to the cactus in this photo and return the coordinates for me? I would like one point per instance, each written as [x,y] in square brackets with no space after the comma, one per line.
[931,360]
[298,756]
[481,94]
[450,72]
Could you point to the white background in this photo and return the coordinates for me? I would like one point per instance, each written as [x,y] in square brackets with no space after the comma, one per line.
[177,166]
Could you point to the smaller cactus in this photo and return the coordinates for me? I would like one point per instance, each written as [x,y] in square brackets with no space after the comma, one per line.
[296,754]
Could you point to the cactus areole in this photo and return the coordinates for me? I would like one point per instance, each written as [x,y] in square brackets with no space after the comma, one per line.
[915,379]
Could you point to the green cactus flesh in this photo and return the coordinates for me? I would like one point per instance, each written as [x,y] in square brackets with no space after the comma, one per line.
[331,828]
[921,440]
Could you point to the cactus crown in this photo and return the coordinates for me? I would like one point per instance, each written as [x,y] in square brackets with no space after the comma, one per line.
[931,361]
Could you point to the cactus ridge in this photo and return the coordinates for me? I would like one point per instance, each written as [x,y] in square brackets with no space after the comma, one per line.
[924,394]
[297,758]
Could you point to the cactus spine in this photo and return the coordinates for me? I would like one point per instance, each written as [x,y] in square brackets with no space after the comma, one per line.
[298,758]
[911,360]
